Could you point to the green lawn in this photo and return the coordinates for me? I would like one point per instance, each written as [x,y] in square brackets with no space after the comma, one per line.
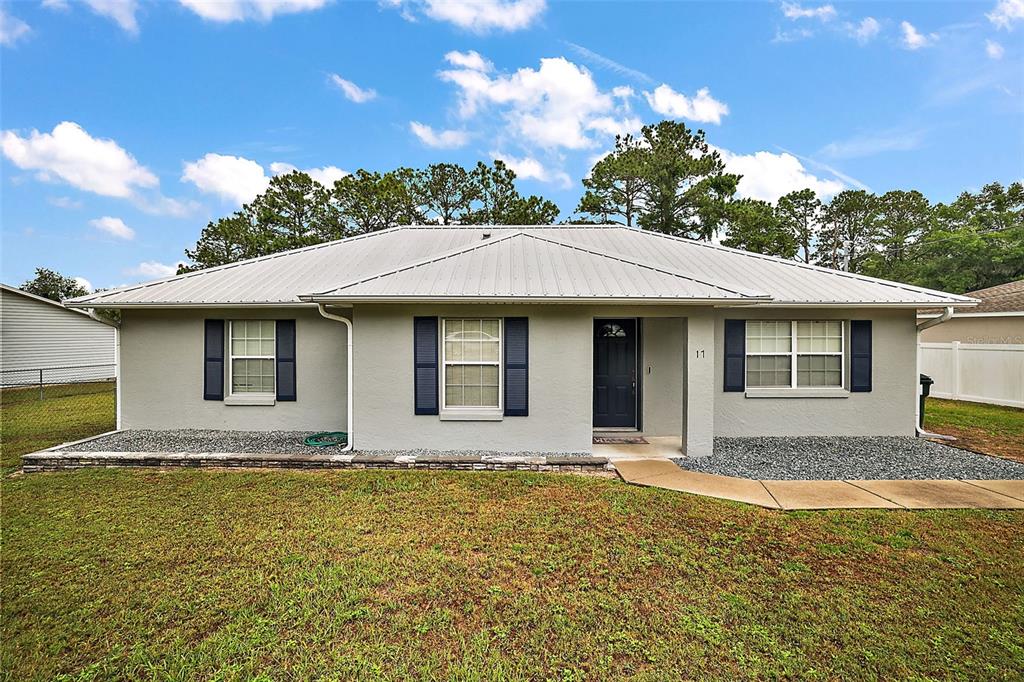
[223,575]
[28,424]
[991,429]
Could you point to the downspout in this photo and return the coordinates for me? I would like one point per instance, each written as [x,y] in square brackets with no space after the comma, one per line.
[348,382]
[946,315]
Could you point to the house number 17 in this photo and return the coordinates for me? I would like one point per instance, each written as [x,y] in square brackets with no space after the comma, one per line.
[699,353]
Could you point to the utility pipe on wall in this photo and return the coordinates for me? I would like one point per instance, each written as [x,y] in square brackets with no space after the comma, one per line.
[348,382]
[946,315]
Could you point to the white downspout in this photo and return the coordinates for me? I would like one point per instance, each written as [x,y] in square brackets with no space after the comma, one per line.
[348,382]
[946,315]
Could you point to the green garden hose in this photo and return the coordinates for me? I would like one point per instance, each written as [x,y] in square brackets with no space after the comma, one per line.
[327,439]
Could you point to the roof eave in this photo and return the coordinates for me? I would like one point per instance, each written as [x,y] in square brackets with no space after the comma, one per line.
[185,304]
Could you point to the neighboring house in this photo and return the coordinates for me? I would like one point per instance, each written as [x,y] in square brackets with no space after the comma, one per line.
[521,339]
[40,339]
[998,319]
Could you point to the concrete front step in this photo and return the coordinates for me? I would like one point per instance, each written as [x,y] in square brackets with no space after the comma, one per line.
[58,460]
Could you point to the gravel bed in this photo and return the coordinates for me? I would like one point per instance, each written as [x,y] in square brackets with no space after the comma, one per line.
[256,442]
[848,458]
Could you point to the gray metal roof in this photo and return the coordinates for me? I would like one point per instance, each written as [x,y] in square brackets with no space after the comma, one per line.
[543,263]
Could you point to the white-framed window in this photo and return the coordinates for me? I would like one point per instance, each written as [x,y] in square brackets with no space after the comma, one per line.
[795,353]
[471,364]
[252,357]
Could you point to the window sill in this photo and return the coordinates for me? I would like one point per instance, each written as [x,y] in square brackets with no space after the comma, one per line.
[250,400]
[797,393]
[472,415]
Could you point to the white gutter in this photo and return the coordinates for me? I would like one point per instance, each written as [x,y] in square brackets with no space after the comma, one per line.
[946,315]
[348,381]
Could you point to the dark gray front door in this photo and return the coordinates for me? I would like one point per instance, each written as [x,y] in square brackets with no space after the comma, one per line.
[615,373]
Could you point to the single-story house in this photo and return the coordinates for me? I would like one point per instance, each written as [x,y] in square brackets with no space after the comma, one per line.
[520,339]
[43,342]
[998,318]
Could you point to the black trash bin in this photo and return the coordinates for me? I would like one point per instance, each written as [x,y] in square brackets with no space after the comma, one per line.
[926,388]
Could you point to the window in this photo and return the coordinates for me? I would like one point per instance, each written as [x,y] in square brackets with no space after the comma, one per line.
[815,359]
[471,358]
[252,350]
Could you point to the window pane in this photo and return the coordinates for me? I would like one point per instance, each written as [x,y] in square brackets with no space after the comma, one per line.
[471,350]
[489,396]
[453,396]
[819,370]
[252,376]
[472,396]
[453,374]
[768,336]
[471,327]
[489,350]
[489,375]
[768,370]
[819,336]
[489,329]
[453,350]
[453,329]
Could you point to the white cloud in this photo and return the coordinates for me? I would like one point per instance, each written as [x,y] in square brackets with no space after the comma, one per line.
[352,91]
[84,283]
[326,176]
[479,16]
[791,36]
[915,40]
[121,11]
[468,60]
[12,29]
[115,227]
[609,125]
[231,177]
[529,168]
[444,139]
[242,10]
[73,155]
[892,140]
[1006,12]
[703,108]
[994,50]
[548,107]
[865,31]
[768,176]
[152,269]
[792,10]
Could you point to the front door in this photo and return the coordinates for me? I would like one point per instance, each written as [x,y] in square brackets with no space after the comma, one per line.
[615,373]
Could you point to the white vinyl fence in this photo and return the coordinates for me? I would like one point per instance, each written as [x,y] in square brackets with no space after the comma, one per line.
[979,372]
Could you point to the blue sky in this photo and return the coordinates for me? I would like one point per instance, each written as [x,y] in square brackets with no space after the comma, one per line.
[127,125]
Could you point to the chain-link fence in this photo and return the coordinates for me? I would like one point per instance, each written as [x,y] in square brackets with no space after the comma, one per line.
[45,406]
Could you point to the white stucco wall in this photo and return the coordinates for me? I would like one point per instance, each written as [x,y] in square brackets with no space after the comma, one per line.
[162,374]
[162,362]
[887,410]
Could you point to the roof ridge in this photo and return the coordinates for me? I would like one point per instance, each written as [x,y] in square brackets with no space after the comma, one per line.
[808,266]
[423,261]
[523,233]
[656,268]
[96,297]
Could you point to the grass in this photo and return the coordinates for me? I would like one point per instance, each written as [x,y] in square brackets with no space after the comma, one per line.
[28,424]
[990,429]
[221,575]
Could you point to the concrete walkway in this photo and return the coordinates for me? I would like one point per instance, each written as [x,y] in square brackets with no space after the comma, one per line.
[792,495]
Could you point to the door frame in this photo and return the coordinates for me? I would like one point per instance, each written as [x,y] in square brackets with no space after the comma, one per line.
[639,354]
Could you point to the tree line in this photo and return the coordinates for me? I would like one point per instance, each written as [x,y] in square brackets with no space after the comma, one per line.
[668,179]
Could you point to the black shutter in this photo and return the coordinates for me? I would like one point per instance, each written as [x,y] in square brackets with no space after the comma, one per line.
[424,349]
[517,367]
[285,360]
[735,355]
[860,356]
[213,360]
